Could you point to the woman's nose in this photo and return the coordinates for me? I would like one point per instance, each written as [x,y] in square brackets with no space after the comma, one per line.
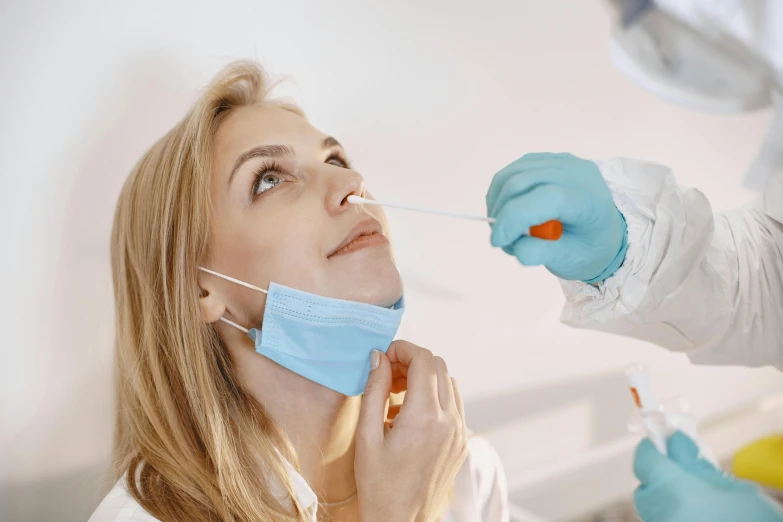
[344,184]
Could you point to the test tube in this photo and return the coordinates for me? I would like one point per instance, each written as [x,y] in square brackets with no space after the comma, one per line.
[650,409]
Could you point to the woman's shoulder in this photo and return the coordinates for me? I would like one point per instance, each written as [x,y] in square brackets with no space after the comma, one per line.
[480,489]
[120,506]
[480,492]
[486,469]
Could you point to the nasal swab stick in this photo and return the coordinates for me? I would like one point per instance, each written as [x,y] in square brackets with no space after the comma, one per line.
[551,230]
[357,200]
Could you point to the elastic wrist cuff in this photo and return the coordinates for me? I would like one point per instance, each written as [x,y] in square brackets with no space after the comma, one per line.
[617,262]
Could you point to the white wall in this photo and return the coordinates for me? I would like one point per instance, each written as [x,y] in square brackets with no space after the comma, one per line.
[428,97]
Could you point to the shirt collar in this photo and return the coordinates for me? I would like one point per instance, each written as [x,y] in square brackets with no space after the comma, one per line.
[305,495]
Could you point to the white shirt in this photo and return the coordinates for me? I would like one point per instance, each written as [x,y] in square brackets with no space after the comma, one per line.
[480,492]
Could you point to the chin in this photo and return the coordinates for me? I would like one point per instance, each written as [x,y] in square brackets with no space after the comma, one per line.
[373,283]
[389,297]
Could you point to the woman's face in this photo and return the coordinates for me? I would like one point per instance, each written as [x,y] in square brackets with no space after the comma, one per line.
[279,192]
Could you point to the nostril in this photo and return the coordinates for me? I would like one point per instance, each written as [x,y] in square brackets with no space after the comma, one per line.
[345,199]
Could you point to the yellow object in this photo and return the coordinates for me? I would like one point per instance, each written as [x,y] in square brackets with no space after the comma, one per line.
[761,462]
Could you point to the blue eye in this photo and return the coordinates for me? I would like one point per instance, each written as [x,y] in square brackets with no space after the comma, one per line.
[267,178]
[266,182]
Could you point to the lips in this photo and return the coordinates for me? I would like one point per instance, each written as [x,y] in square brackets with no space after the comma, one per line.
[367,232]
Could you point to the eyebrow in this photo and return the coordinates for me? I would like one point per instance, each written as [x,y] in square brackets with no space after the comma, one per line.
[330,142]
[273,151]
[264,151]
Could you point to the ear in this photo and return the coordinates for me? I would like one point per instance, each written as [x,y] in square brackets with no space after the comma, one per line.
[212,306]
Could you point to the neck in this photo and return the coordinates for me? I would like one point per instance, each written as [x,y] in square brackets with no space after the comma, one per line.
[320,423]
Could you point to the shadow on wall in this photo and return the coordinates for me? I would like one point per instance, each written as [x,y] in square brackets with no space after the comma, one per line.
[542,433]
[607,392]
[66,455]
[69,497]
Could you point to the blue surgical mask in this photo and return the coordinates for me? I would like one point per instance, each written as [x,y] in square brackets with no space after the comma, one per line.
[325,340]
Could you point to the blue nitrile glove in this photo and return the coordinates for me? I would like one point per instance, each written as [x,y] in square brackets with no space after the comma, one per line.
[686,488]
[540,187]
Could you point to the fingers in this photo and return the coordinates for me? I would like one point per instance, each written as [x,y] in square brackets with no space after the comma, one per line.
[518,211]
[648,504]
[531,251]
[445,387]
[373,409]
[650,466]
[399,378]
[682,449]
[422,378]
[536,166]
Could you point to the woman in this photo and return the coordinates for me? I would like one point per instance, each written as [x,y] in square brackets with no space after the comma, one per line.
[233,219]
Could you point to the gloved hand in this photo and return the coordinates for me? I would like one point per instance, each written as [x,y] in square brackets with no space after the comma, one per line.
[686,488]
[540,187]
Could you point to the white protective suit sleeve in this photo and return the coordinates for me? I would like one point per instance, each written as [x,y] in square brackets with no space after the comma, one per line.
[709,286]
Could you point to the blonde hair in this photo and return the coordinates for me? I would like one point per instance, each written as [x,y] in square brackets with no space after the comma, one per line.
[194,445]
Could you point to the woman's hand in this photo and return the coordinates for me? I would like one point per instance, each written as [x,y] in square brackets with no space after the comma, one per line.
[405,473]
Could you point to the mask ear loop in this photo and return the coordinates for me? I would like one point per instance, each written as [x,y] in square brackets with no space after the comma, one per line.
[237,281]
[235,325]
[241,283]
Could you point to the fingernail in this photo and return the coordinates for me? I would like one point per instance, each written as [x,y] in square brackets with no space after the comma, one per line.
[375,359]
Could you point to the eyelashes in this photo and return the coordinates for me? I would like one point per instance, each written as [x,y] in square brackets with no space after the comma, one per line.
[261,176]
[338,159]
[270,174]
